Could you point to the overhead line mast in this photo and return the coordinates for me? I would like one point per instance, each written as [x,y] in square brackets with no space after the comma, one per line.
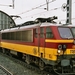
[13,4]
[47,2]
[69,12]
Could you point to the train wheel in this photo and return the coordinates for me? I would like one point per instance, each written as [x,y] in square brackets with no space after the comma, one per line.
[27,59]
[41,64]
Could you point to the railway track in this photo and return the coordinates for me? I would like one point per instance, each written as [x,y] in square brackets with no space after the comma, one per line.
[32,67]
[4,71]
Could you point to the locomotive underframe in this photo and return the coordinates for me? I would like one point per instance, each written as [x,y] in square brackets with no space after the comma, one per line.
[64,65]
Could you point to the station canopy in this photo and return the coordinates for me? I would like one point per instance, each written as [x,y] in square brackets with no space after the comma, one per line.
[6,21]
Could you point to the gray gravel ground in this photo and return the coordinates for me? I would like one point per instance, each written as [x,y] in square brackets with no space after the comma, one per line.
[2,72]
[15,68]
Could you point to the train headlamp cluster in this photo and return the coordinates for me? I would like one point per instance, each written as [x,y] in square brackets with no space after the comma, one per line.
[61,48]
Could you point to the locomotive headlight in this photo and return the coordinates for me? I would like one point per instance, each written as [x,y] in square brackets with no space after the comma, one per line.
[59,49]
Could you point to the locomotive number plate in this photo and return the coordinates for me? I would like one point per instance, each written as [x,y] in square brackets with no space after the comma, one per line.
[72,51]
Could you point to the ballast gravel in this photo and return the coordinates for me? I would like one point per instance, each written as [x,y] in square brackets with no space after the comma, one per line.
[14,68]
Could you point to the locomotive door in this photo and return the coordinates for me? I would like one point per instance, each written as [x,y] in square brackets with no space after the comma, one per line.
[42,42]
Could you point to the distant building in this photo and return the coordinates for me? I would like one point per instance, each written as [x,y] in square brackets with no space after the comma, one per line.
[5,21]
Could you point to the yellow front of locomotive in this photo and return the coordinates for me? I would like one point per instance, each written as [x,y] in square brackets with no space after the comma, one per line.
[66,51]
[60,49]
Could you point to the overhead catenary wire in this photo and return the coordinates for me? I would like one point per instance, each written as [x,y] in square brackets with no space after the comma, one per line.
[35,8]
[42,12]
[56,8]
[39,7]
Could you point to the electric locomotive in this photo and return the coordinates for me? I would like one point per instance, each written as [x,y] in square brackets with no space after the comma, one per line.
[43,42]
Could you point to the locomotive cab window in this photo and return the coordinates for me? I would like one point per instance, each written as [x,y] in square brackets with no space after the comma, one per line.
[65,32]
[36,33]
[42,32]
[73,31]
[49,33]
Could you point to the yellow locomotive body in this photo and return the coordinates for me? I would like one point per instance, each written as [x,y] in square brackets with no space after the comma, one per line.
[43,43]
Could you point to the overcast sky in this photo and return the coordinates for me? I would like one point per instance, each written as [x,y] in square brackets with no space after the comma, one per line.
[24,8]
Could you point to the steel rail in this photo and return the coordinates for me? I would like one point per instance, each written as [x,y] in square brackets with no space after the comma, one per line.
[5,70]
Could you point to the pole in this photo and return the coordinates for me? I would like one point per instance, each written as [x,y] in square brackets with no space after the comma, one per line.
[47,2]
[69,11]
[13,4]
